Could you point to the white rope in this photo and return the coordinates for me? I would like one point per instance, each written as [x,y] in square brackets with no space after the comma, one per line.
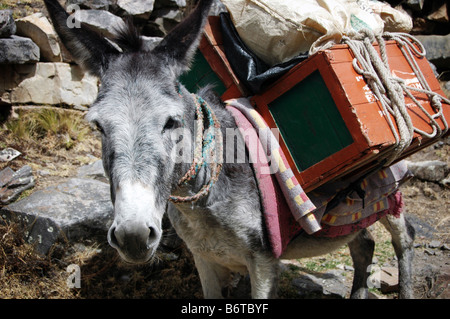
[391,90]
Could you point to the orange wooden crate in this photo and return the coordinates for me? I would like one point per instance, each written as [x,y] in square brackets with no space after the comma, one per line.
[359,109]
[362,129]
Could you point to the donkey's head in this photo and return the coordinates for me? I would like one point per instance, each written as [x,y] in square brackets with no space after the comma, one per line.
[137,108]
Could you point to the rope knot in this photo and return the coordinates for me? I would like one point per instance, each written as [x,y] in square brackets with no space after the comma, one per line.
[436,102]
[208,151]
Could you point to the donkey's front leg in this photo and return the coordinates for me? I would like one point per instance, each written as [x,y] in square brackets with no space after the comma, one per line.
[264,271]
[361,250]
[213,277]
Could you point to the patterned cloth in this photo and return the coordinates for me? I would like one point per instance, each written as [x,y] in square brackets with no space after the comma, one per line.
[289,210]
[395,203]
[377,188]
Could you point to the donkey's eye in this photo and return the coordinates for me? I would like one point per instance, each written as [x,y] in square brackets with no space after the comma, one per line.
[99,127]
[170,124]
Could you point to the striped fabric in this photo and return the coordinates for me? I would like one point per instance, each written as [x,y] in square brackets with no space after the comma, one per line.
[396,204]
[300,205]
[377,187]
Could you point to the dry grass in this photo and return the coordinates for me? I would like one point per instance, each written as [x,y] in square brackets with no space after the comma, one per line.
[23,273]
[57,128]
[106,276]
[22,8]
[54,141]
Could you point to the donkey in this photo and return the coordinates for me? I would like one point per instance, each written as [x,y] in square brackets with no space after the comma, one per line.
[139,105]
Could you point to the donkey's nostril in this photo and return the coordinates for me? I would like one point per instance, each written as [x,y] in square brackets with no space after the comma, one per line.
[152,237]
[112,238]
[153,234]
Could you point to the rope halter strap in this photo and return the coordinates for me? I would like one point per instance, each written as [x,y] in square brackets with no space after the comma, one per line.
[207,152]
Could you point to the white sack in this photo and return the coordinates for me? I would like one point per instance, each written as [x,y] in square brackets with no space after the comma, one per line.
[278,30]
[394,20]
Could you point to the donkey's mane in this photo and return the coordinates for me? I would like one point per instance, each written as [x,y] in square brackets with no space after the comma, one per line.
[128,37]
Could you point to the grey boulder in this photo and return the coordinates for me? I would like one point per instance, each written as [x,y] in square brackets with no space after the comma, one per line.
[18,50]
[73,210]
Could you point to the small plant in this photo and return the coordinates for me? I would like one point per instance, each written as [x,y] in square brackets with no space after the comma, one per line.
[22,8]
[59,128]
[49,121]
[23,127]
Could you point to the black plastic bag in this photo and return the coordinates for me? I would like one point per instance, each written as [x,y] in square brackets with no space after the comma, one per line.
[251,70]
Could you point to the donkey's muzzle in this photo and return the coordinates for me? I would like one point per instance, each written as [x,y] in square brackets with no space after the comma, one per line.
[135,242]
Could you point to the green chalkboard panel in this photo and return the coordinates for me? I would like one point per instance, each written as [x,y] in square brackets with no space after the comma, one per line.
[310,122]
[201,75]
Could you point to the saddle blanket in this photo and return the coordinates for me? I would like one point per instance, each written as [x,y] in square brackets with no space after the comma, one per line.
[288,210]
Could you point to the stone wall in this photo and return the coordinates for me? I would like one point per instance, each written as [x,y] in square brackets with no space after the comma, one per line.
[35,68]
[54,83]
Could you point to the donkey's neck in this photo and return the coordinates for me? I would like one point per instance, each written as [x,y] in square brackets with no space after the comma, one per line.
[236,177]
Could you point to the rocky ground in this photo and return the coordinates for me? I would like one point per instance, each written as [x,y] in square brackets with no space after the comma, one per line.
[173,275]
[428,205]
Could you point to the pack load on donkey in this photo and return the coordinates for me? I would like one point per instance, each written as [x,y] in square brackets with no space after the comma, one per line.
[347,110]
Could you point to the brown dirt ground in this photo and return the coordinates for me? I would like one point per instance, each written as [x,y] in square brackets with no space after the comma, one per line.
[23,274]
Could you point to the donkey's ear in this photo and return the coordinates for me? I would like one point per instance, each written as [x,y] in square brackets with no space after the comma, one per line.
[180,45]
[89,49]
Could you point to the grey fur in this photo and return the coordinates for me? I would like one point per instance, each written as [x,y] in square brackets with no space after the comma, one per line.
[137,109]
